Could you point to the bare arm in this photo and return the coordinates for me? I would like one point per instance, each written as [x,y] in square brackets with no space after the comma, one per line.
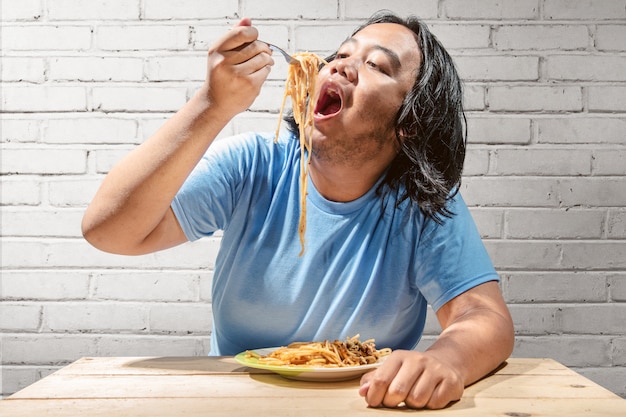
[130,214]
[477,336]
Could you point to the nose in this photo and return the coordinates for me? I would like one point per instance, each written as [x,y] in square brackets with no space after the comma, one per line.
[346,67]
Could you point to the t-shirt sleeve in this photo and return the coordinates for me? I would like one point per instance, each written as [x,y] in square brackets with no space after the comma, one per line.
[452,257]
[205,202]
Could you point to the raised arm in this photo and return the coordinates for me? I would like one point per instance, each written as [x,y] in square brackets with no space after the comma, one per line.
[130,214]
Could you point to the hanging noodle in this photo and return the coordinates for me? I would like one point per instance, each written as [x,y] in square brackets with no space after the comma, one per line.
[351,352]
[300,87]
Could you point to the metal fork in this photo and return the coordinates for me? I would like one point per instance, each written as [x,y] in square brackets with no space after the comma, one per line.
[290,60]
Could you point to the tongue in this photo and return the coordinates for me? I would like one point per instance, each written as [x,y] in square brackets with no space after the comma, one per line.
[332,108]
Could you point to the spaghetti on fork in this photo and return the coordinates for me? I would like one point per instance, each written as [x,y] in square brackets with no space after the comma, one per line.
[300,87]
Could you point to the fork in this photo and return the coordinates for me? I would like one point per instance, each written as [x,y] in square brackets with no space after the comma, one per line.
[290,60]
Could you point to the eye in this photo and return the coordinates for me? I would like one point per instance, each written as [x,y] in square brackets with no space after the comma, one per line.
[341,55]
[375,66]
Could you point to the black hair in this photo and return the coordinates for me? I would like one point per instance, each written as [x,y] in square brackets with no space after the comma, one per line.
[430,125]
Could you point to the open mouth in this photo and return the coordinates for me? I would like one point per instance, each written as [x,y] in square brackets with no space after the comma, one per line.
[329,102]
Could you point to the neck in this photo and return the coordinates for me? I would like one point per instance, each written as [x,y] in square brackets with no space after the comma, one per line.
[341,183]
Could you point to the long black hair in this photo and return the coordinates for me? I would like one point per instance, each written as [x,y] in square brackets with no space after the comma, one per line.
[430,125]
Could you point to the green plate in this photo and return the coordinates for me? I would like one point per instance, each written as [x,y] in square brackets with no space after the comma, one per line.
[302,373]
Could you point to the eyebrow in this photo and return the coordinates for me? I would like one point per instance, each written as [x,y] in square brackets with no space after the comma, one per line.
[395,59]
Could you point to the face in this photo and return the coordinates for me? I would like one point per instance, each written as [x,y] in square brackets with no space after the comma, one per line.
[360,93]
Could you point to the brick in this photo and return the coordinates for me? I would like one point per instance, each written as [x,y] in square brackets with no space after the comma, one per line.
[146,286]
[77,253]
[473,97]
[586,68]
[584,10]
[247,122]
[20,191]
[581,129]
[598,319]
[44,284]
[522,287]
[206,285]
[15,378]
[101,130]
[176,68]
[307,37]
[497,68]
[619,351]
[203,36]
[535,319]
[524,255]
[607,98]
[610,37]
[554,224]
[491,9]
[43,98]
[43,161]
[476,162]
[108,158]
[462,36]
[144,37]
[291,9]
[190,9]
[94,317]
[139,98]
[41,222]
[363,9]
[45,348]
[270,99]
[22,253]
[510,191]
[71,192]
[535,98]
[97,10]
[598,192]
[46,38]
[21,10]
[148,125]
[594,255]
[541,37]
[489,222]
[23,317]
[612,378]
[568,350]
[609,162]
[96,69]
[153,345]
[31,69]
[544,162]
[498,129]
[181,318]
[20,130]
[616,225]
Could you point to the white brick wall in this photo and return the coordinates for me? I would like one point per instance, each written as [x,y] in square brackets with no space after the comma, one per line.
[85,82]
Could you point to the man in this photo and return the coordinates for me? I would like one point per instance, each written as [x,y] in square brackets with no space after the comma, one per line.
[386,231]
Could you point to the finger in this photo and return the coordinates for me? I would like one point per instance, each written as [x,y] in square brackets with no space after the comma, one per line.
[401,385]
[239,36]
[422,390]
[380,379]
[245,21]
[444,393]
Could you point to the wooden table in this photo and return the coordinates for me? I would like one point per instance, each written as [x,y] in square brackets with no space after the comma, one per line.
[206,386]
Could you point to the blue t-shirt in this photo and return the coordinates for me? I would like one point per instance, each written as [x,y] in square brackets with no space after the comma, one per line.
[369,267]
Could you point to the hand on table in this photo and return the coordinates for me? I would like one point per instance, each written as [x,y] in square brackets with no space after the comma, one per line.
[415,378]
